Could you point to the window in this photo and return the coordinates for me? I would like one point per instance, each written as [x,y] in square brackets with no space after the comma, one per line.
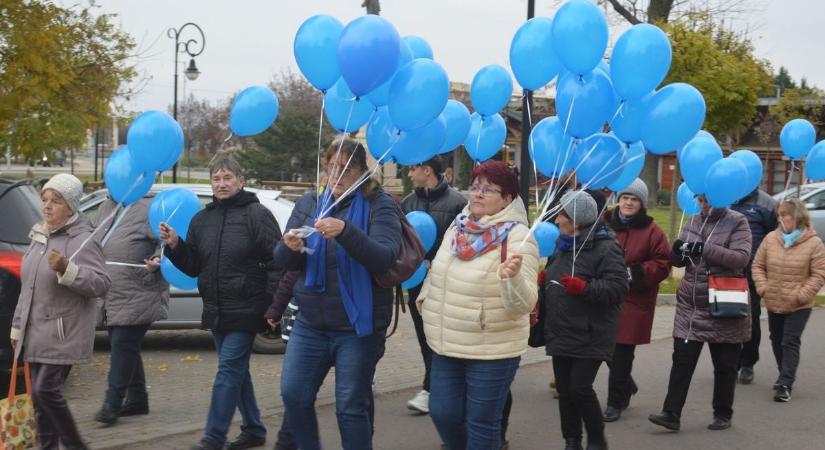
[816,201]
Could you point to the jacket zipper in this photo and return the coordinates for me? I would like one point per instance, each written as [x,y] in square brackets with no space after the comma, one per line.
[217,264]
[444,299]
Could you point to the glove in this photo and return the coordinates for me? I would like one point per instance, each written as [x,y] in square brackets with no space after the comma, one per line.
[573,285]
[541,279]
[683,248]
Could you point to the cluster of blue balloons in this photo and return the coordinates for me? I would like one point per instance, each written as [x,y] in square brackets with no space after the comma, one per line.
[798,140]
[175,207]
[372,76]
[425,228]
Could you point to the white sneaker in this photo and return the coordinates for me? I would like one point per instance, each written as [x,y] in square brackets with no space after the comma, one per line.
[420,403]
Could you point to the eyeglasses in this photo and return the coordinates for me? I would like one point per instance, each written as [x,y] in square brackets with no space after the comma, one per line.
[485,191]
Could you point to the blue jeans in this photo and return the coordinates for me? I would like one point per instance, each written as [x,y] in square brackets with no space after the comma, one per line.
[233,388]
[309,356]
[467,398]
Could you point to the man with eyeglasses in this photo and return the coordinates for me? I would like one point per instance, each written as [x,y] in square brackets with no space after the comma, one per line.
[435,196]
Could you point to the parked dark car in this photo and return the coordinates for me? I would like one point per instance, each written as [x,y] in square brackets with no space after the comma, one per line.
[19,210]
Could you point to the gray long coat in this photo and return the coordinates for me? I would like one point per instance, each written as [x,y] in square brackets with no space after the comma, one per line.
[727,252]
[137,296]
[55,316]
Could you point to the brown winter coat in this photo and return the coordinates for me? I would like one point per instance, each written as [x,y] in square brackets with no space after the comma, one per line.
[55,315]
[788,279]
[727,251]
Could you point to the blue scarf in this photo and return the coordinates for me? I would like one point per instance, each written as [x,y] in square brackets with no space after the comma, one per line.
[354,281]
[791,237]
[565,241]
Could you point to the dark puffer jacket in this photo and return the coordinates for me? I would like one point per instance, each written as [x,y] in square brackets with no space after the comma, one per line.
[759,209]
[585,326]
[727,251]
[375,250]
[229,248]
[443,203]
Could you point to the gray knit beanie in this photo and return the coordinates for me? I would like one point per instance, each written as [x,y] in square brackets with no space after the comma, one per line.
[638,189]
[69,187]
[580,207]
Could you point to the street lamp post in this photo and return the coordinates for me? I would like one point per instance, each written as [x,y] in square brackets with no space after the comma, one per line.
[193,48]
[525,166]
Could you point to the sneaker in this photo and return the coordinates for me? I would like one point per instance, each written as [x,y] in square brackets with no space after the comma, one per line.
[246,440]
[420,403]
[783,394]
[746,375]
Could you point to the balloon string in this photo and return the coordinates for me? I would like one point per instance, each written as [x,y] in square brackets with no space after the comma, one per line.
[790,177]
[334,167]
[225,141]
[112,230]
[616,114]
[601,214]
[318,159]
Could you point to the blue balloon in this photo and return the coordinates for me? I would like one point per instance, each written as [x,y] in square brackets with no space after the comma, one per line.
[591,98]
[815,164]
[424,225]
[380,134]
[546,235]
[368,53]
[754,166]
[457,118]
[491,89]
[486,136]
[674,116]
[420,48]
[416,278]
[687,200]
[345,112]
[597,160]
[695,160]
[125,182]
[154,138]
[550,149]
[703,133]
[634,161]
[627,122]
[640,61]
[797,138]
[315,48]
[253,111]
[381,95]
[580,35]
[419,145]
[175,277]
[723,182]
[418,94]
[532,57]
[175,207]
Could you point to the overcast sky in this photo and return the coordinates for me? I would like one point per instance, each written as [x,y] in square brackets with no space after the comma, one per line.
[247,41]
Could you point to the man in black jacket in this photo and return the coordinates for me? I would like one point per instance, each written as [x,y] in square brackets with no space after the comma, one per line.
[434,196]
[760,210]
[229,248]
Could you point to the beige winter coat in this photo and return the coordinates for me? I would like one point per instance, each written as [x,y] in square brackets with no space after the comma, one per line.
[788,279]
[468,311]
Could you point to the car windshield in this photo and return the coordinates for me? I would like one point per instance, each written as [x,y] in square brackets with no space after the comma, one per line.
[21,209]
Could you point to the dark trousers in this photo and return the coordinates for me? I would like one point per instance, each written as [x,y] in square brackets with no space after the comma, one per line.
[786,339]
[418,323]
[53,420]
[577,400]
[620,383]
[685,356]
[750,349]
[126,377]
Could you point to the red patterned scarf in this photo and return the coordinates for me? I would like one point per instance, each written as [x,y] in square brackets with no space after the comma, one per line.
[473,239]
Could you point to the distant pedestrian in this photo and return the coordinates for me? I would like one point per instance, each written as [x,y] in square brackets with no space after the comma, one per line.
[584,285]
[229,248]
[54,321]
[789,271]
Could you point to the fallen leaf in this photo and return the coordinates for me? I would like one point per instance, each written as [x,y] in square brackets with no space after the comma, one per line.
[163,367]
[191,358]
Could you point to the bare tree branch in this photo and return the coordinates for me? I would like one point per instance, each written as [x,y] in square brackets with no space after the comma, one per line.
[624,12]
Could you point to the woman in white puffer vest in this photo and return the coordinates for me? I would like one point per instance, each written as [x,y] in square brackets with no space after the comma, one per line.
[476,303]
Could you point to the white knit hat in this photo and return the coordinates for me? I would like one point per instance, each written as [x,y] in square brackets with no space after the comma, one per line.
[69,187]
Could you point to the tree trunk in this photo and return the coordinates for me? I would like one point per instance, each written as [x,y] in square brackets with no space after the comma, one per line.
[659,10]
[650,175]
[673,232]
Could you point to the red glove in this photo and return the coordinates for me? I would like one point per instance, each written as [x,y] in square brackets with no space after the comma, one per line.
[573,285]
[541,278]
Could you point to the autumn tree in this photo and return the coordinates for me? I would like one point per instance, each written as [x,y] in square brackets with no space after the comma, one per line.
[60,71]
[205,124]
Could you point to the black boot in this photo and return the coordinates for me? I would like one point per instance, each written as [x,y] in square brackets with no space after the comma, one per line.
[597,442]
[106,415]
[666,419]
[573,443]
[611,414]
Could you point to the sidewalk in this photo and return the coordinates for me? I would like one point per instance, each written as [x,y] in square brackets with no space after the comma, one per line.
[180,368]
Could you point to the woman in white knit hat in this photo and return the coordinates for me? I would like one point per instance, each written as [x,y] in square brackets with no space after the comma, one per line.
[54,323]
[583,287]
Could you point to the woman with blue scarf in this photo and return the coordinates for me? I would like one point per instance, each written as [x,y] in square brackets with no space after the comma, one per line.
[584,285]
[337,240]
[475,304]
[789,271]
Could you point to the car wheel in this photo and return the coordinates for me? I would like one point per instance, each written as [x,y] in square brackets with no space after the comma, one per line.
[269,343]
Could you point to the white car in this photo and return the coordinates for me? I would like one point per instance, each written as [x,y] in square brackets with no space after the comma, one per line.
[185,307]
[813,196]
